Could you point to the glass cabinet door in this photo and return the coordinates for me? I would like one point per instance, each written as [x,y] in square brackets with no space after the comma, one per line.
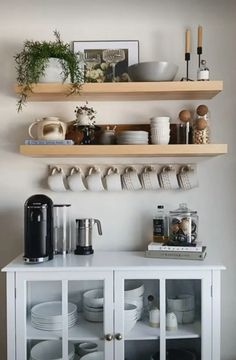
[137,316]
[64,319]
[173,315]
[188,317]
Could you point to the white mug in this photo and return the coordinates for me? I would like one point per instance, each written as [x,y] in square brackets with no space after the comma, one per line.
[113,180]
[75,180]
[168,178]
[56,180]
[131,180]
[149,179]
[94,180]
[187,177]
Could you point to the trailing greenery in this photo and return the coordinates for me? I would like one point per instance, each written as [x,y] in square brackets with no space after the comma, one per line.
[32,61]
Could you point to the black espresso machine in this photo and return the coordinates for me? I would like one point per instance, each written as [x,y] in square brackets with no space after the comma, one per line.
[38,230]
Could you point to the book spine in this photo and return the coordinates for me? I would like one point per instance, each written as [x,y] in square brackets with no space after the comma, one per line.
[174,255]
[49,142]
[175,248]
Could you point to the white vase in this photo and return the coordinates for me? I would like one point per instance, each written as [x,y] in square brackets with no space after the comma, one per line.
[83,119]
[53,72]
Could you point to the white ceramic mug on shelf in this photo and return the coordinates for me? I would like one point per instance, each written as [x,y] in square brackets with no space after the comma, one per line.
[168,178]
[149,179]
[187,177]
[75,180]
[113,180]
[131,179]
[94,179]
[57,180]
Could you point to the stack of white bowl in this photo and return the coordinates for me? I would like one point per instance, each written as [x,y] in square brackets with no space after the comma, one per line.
[130,316]
[48,315]
[160,130]
[134,290]
[184,308]
[138,137]
[93,302]
[50,350]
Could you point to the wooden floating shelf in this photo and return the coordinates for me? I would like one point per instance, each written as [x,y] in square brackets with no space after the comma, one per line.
[123,150]
[172,90]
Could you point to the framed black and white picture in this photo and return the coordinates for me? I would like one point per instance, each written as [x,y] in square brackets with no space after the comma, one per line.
[107,61]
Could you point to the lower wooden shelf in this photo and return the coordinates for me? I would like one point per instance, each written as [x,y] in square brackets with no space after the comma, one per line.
[123,150]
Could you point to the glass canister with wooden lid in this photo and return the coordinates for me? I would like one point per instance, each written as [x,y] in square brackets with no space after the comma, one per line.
[201,127]
[183,227]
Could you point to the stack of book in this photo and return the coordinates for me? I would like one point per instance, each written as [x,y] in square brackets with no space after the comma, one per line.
[157,250]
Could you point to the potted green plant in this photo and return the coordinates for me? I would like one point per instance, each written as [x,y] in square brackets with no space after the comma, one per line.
[32,62]
[83,130]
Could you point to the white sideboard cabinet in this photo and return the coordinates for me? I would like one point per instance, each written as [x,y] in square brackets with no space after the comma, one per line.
[65,279]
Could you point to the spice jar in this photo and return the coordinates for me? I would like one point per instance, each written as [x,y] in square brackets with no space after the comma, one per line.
[201,129]
[183,227]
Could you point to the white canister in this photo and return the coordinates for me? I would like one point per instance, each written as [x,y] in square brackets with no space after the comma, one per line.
[154,317]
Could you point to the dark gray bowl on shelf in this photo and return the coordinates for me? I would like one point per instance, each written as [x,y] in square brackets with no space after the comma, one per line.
[153,71]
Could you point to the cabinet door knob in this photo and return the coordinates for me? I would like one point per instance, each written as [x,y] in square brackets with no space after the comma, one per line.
[118,337]
[109,337]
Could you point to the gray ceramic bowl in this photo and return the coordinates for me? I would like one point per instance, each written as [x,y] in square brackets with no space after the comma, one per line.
[153,71]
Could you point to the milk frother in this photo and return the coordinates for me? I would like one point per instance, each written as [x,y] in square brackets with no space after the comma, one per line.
[84,229]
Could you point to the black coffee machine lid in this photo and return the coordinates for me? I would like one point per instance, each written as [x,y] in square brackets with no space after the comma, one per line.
[39,199]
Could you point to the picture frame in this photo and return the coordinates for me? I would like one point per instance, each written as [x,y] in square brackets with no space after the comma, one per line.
[102,71]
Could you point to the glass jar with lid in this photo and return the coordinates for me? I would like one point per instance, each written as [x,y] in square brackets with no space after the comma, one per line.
[201,128]
[183,227]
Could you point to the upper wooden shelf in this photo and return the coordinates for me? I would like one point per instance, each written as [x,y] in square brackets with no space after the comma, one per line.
[122,150]
[173,90]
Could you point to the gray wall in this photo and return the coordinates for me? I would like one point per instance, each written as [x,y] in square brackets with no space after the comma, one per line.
[126,218]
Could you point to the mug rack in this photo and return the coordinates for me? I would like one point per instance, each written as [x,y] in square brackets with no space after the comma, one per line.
[183,176]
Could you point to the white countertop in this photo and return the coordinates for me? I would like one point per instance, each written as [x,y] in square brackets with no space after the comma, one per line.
[112,260]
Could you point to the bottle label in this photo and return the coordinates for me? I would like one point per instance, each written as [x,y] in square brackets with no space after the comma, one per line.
[158,228]
[203,75]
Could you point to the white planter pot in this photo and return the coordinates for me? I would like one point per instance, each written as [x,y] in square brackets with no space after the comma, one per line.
[53,72]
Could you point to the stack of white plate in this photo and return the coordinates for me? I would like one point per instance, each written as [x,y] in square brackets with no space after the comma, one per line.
[48,315]
[132,137]
[134,290]
[50,350]
[93,301]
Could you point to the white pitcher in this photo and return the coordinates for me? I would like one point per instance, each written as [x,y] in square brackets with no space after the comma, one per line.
[48,128]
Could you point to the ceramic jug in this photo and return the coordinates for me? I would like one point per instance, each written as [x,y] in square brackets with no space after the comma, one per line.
[48,128]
